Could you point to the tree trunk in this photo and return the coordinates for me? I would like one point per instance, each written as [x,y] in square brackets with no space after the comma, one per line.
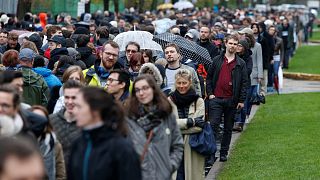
[141,6]
[116,6]
[87,7]
[106,5]
[24,6]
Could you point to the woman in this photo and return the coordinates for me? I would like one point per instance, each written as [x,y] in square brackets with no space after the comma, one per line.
[10,59]
[154,130]
[244,52]
[103,151]
[147,55]
[190,117]
[50,148]
[71,73]
[135,63]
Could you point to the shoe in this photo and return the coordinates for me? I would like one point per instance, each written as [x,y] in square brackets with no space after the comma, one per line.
[237,127]
[262,99]
[223,158]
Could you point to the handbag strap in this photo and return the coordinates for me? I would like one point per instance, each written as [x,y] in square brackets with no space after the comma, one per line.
[146,145]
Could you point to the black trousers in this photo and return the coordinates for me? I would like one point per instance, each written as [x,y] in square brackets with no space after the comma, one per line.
[217,108]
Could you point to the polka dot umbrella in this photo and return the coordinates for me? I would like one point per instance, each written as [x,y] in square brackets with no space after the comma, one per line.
[189,49]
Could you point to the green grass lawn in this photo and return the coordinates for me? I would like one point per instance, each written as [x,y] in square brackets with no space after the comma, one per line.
[306,60]
[281,142]
[315,36]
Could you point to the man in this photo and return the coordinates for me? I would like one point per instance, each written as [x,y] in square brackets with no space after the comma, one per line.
[63,122]
[12,43]
[3,38]
[25,122]
[85,52]
[97,74]
[226,88]
[57,48]
[35,89]
[206,43]
[20,159]
[286,33]
[118,84]
[131,48]
[173,57]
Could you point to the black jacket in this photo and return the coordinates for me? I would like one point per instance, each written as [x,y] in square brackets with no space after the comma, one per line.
[248,60]
[102,153]
[55,56]
[86,56]
[239,78]
[212,49]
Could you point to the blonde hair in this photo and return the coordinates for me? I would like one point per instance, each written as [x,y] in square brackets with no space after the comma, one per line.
[184,73]
[31,45]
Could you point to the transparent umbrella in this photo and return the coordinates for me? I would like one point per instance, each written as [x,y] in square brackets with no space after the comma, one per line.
[183,4]
[143,38]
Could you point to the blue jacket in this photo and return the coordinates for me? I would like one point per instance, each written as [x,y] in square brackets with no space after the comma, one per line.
[50,78]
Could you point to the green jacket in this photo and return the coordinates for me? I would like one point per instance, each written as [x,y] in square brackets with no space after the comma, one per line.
[35,89]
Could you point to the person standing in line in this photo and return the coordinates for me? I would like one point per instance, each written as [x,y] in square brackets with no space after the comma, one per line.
[153,129]
[226,88]
[103,151]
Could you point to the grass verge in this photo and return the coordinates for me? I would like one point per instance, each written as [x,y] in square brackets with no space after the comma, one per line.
[315,36]
[306,60]
[281,142]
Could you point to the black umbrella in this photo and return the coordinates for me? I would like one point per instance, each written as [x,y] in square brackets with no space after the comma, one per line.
[189,49]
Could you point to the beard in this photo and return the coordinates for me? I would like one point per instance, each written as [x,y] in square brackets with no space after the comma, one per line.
[232,50]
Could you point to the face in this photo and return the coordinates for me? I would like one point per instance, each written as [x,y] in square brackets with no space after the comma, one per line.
[18,84]
[69,99]
[122,23]
[13,42]
[75,76]
[240,48]
[272,31]
[3,38]
[30,168]
[144,92]
[255,29]
[113,84]
[183,85]
[146,58]
[204,33]
[83,113]
[131,49]
[52,45]
[109,56]
[136,68]
[231,46]
[6,104]
[171,55]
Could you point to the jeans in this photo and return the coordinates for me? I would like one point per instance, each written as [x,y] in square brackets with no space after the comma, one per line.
[217,108]
[245,111]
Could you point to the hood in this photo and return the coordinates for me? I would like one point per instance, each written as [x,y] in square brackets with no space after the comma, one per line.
[59,51]
[149,67]
[85,52]
[42,71]
[29,76]
[43,19]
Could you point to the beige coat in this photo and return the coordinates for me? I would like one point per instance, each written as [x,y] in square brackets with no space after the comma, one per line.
[193,161]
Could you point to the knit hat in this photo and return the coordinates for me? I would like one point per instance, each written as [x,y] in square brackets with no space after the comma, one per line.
[81,30]
[244,44]
[4,18]
[35,37]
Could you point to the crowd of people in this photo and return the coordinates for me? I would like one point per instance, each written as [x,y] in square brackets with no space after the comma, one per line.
[73,106]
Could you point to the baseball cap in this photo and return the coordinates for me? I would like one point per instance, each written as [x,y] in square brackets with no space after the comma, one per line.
[59,40]
[246,31]
[189,35]
[27,54]
[219,24]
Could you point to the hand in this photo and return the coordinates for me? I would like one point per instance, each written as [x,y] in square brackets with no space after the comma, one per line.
[272,61]
[199,122]
[190,122]
[211,96]
[240,105]
[259,80]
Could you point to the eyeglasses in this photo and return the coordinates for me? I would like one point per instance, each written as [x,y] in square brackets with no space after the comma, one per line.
[110,54]
[5,106]
[131,51]
[111,80]
[143,89]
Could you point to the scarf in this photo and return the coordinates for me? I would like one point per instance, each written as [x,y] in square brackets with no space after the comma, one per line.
[184,100]
[149,119]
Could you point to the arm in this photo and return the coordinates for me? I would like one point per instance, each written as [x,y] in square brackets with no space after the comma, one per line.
[60,164]
[244,84]
[45,94]
[209,80]
[176,147]
[259,61]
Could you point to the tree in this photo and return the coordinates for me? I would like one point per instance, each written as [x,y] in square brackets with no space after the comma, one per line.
[24,6]
[106,5]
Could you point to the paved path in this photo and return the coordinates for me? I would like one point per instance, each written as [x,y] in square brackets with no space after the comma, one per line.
[290,86]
